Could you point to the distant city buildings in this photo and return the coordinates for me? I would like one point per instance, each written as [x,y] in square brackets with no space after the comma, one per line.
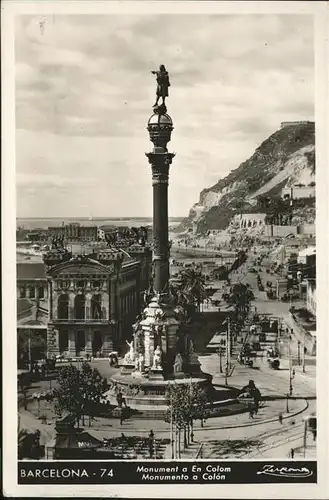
[74,231]
[298,192]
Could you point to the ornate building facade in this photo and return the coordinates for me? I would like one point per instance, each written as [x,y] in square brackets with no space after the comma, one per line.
[85,304]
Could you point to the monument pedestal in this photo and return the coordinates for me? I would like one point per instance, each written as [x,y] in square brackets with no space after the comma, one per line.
[156,374]
[159,328]
[128,369]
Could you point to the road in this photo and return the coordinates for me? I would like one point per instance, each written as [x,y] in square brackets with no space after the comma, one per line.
[271,439]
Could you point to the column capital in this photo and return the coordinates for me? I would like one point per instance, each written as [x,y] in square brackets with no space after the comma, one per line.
[160,162]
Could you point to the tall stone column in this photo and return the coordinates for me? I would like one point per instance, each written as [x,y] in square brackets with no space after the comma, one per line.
[71,305]
[160,127]
[88,305]
[89,341]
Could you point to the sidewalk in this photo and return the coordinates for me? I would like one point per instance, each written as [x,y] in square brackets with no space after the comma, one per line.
[267,413]
[270,382]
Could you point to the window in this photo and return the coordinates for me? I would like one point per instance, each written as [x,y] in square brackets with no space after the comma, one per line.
[32,292]
[97,284]
[80,341]
[41,292]
[96,306]
[97,343]
[22,292]
[79,307]
[63,284]
[81,283]
[63,341]
[63,307]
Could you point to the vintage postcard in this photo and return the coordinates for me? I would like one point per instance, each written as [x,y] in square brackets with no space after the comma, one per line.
[165,190]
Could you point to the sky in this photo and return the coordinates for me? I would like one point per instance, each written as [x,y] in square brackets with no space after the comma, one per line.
[84,94]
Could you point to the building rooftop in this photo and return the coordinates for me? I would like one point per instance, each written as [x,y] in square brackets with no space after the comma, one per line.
[23,305]
[30,270]
[307,251]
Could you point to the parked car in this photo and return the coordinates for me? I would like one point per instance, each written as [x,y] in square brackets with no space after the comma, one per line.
[274,363]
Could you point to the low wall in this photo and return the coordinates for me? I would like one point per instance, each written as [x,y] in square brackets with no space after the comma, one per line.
[306,229]
[279,231]
[301,334]
[296,192]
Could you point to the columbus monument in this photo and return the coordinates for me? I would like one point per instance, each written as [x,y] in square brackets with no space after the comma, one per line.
[159,354]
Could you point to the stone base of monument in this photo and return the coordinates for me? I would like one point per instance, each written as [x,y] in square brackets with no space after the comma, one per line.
[128,369]
[138,375]
[156,374]
[145,393]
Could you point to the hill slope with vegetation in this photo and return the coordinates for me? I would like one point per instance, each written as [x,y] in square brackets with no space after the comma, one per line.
[285,159]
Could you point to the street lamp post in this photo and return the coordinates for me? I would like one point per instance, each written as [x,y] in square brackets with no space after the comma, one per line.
[298,353]
[291,375]
[171,428]
[303,362]
[287,403]
[227,364]
[305,436]
[219,352]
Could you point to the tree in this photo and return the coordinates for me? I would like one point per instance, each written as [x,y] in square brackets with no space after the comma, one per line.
[79,391]
[240,298]
[93,387]
[186,403]
[190,290]
[240,260]
[28,444]
[30,344]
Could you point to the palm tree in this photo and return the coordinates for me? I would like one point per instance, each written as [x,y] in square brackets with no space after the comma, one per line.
[191,288]
[240,298]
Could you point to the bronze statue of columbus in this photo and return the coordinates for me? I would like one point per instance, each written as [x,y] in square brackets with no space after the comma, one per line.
[163,84]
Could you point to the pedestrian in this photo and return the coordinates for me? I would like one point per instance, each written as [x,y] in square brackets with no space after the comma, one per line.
[256,406]
[121,416]
[292,453]
[280,418]
[119,399]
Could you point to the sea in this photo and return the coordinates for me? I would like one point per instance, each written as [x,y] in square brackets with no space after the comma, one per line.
[44,223]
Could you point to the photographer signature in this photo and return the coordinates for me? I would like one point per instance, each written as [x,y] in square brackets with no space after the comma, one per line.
[294,472]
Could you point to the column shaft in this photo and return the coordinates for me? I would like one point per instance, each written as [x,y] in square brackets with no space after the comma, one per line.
[160,236]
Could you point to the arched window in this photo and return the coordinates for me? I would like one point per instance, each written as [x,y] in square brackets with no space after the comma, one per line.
[63,341]
[63,307]
[97,343]
[41,292]
[79,307]
[80,341]
[32,292]
[96,306]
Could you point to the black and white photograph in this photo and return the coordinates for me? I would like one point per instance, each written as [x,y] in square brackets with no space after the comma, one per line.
[166,216]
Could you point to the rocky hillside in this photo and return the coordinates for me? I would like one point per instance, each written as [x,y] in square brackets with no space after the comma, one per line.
[285,159]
